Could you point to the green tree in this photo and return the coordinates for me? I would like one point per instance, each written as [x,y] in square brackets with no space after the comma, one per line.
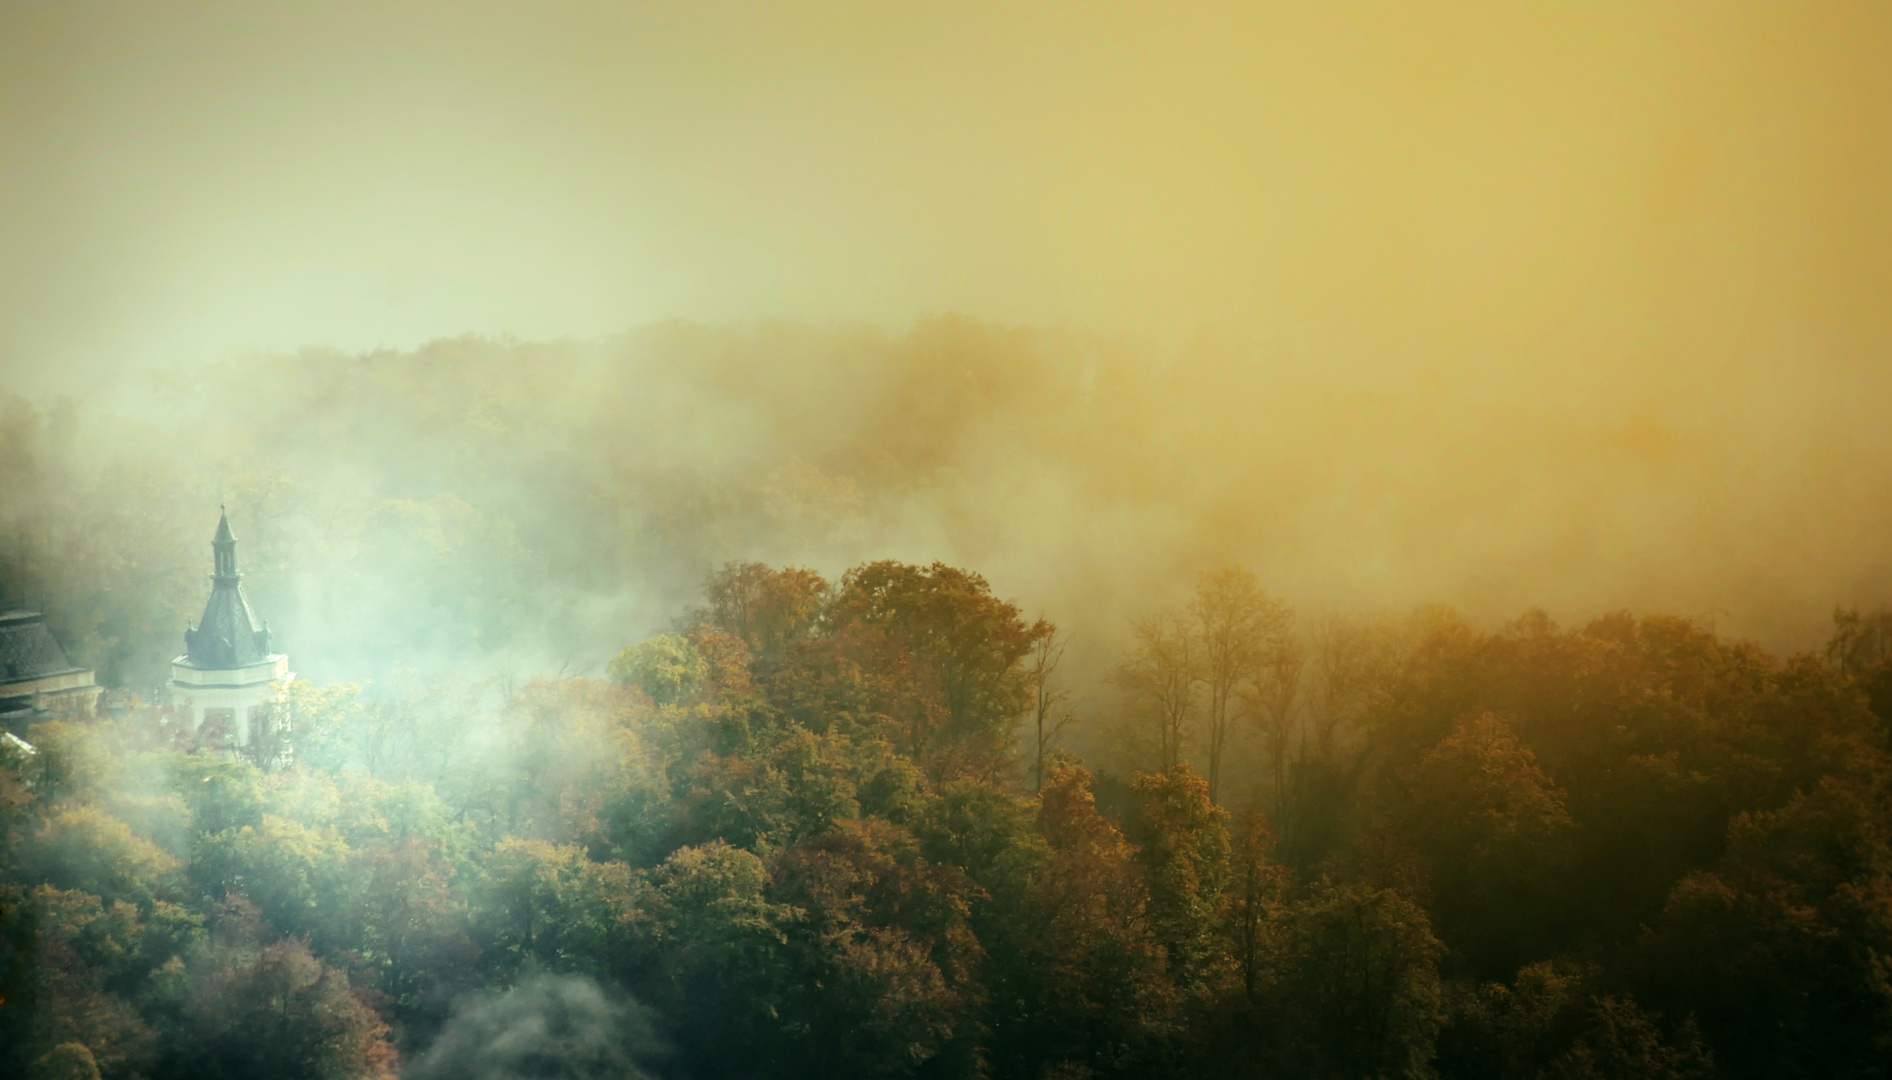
[667,668]
[714,949]
[550,904]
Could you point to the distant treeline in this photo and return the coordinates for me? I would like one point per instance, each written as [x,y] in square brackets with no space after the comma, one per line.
[485,503]
[797,838]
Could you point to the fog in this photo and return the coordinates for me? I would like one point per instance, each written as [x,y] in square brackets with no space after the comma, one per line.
[546,1025]
[1438,434]
[1503,306]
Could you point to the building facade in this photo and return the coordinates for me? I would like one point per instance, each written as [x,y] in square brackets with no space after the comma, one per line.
[37,681]
[227,678]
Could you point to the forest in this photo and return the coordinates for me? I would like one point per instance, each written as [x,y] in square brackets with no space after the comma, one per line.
[800,836]
[972,702]
[976,541]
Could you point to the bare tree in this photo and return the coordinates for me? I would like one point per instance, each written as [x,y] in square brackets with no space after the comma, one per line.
[1161,673]
[1273,695]
[1859,642]
[1354,660]
[1236,624]
[1050,713]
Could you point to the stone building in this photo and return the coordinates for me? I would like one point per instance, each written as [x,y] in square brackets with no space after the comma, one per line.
[37,681]
[227,678]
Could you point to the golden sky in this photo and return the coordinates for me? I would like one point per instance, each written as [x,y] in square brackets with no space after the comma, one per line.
[1641,251]
[1513,186]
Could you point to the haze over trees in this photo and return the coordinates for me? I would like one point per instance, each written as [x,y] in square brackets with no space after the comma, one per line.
[1012,722]
[805,834]
[482,505]
[1145,540]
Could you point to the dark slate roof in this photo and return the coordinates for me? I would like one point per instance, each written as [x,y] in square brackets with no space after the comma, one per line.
[28,650]
[228,636]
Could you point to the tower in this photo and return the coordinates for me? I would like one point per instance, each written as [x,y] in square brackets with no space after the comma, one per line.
[227,677]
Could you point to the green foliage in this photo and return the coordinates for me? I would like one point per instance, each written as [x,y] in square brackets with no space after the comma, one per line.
[550,904]
[667,668]
[85,848]
[333,726]
[792,832]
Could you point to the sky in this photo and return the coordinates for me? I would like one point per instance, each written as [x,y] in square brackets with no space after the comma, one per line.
[1664,225]
[1509,187]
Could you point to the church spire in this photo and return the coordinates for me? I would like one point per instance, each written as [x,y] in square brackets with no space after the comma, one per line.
[229,636]
[224,546]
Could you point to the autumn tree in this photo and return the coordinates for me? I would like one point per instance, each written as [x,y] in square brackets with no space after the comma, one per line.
[1491,825]
[1624,1042]
[1358,985]
[961,649]
[1092,985]
[1160,675]
[885,964]
[280,1012]
[765,608]
[1183,846]
[1861,648]
[1256,891]
[1779,951]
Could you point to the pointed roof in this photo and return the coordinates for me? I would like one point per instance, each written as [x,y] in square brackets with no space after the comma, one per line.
[28,650]
[228,636]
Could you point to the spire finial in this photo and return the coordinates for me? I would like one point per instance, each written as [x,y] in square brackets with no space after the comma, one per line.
[224,545]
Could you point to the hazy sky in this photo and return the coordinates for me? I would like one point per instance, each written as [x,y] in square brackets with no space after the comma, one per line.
[1619,276]
[1585,192]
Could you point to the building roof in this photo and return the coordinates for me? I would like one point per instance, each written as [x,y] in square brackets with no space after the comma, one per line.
[228,636]
[28,650]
